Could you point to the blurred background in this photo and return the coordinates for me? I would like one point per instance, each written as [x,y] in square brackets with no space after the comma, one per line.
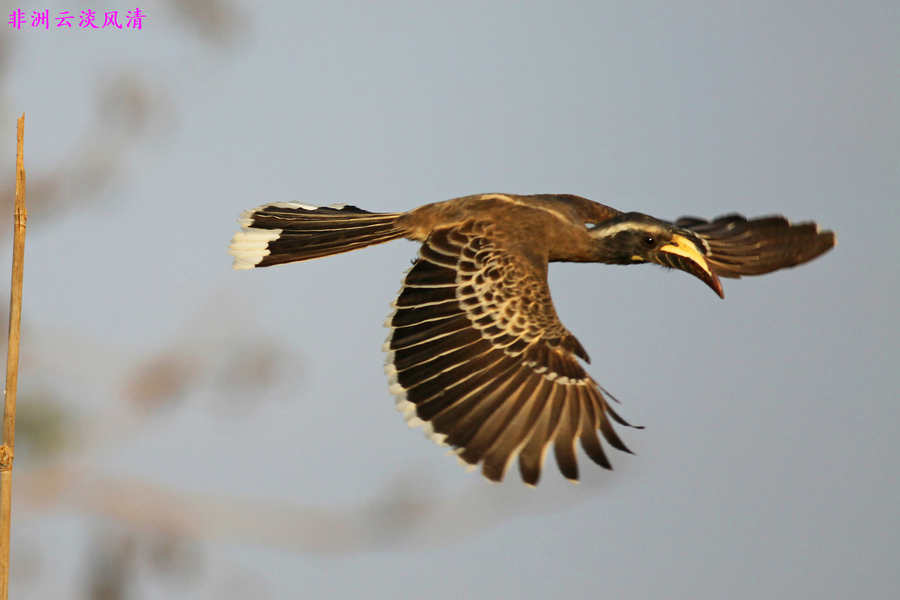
[189,431]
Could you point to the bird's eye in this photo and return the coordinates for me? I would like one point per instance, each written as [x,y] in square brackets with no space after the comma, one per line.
[649,241]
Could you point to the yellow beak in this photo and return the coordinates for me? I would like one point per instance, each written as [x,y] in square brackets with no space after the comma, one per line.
[687,256]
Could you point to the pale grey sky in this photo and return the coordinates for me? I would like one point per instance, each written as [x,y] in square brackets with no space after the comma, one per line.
[769,463]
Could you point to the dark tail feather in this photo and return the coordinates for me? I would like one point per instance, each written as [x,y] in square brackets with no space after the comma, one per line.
[285,232]
[740,247]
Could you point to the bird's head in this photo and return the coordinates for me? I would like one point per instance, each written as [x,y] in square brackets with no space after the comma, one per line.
[632,238]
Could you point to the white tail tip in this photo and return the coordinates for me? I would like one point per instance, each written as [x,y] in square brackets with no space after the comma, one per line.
[250,246]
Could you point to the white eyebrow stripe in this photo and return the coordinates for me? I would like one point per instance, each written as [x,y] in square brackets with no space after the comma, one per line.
[605,232]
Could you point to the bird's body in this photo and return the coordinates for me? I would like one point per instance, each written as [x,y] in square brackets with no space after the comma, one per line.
[553,225]
[477,354]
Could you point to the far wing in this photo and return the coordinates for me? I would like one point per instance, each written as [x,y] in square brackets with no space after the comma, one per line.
[738,246]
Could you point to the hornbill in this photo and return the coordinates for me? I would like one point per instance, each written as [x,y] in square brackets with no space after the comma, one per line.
[476,354]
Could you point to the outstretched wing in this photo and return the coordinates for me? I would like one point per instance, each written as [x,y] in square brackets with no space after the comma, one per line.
[477,355]
[738,246]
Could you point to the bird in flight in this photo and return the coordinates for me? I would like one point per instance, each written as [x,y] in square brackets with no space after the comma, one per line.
[476,354]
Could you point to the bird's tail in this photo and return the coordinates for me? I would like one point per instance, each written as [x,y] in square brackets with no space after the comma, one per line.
[284,232]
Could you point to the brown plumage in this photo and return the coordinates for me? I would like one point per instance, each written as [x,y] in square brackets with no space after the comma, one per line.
[476,353]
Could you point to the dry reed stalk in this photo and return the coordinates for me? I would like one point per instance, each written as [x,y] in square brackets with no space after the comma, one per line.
[12,363]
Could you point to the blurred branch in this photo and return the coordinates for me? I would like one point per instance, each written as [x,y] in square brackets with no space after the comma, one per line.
[407,514]
[130,109]
[214,21]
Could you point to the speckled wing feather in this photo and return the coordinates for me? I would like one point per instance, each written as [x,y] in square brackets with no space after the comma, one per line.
[738,246]
[478,357]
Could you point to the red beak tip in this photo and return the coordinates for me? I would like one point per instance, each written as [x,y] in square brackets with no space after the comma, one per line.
[716,286]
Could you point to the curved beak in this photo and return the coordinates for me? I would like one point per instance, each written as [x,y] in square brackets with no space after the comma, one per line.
[683,253]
